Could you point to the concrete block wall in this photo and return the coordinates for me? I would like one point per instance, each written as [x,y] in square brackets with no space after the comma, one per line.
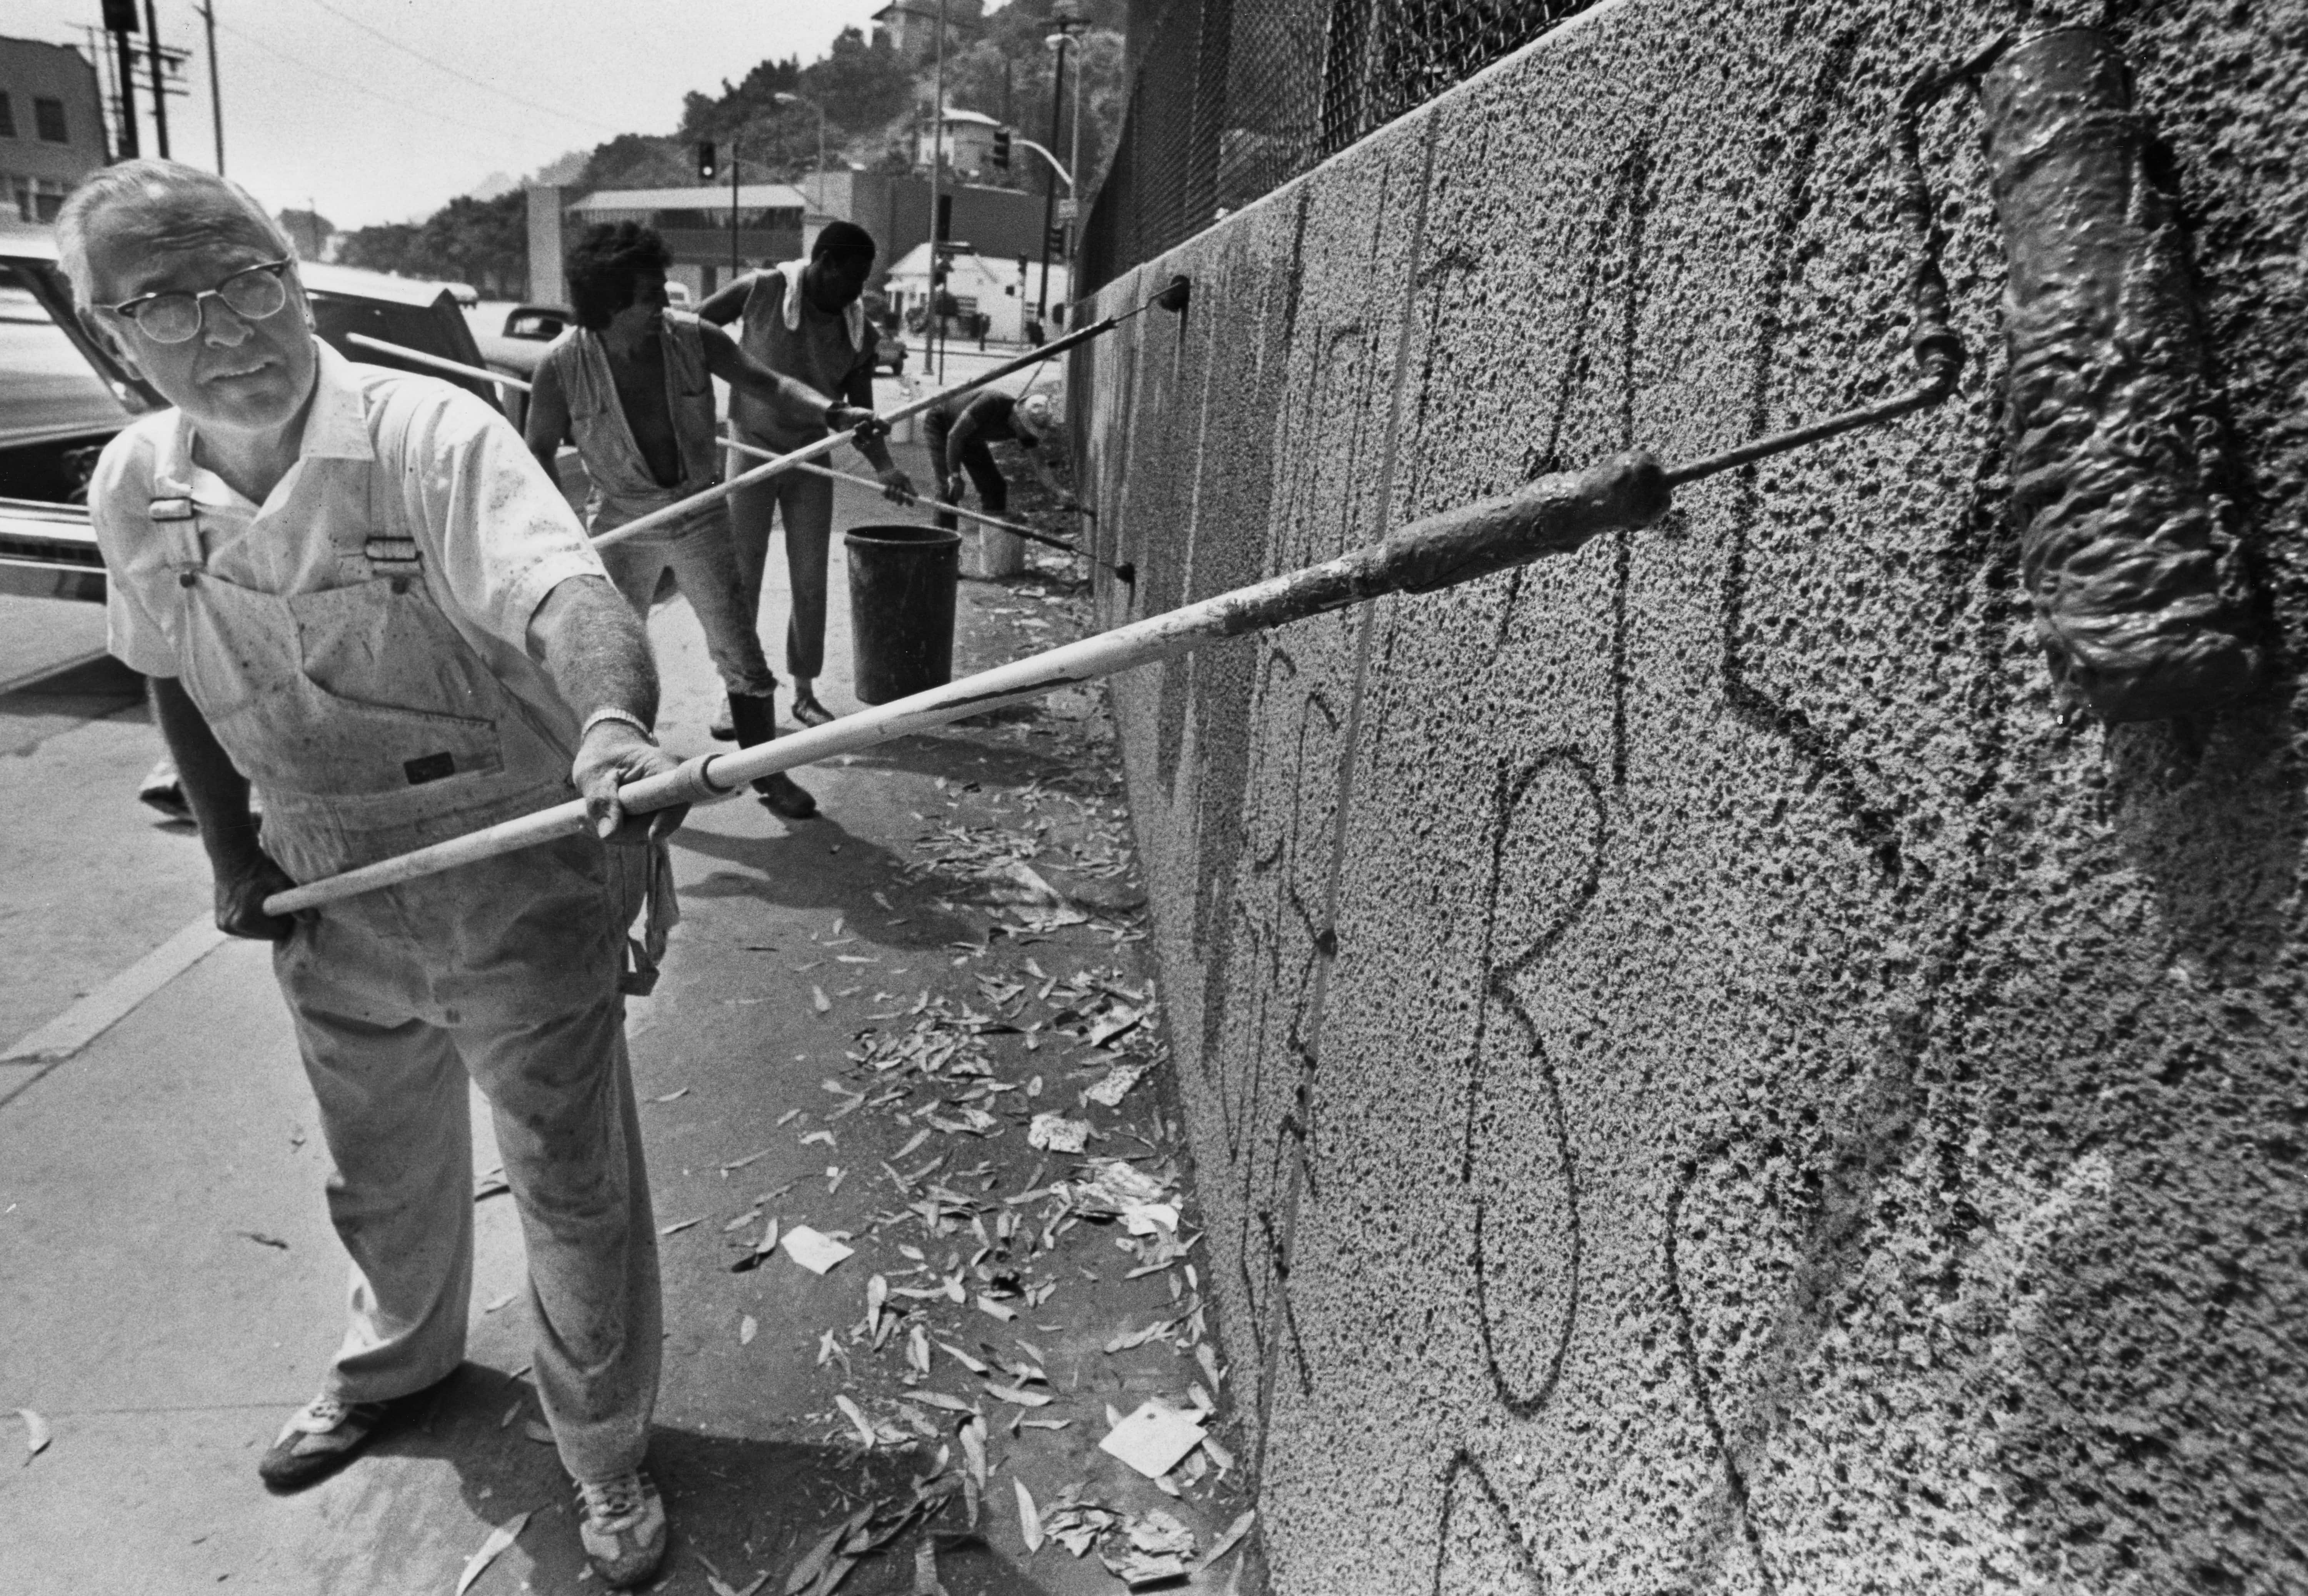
[1704,1076]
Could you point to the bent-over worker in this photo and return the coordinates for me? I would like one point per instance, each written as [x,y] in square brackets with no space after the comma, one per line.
[959,431]
[353,587]
[803,320]
[631,385]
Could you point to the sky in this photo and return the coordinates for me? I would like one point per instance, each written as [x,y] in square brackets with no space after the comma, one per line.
[327,103]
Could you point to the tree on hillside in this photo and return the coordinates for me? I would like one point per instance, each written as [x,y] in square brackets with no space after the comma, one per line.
[481,242]
[862,85]
[309,232]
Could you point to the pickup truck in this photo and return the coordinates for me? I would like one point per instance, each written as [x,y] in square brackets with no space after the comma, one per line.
[62,396]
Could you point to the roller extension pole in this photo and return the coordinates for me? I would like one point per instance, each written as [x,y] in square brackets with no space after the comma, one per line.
[1030,534]
[1553,515]
[438,363]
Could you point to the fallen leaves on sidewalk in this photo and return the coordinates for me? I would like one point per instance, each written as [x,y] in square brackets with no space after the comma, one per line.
[499,1539]
[36,1435]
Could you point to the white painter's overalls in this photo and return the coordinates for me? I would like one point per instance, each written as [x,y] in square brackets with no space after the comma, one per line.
[371,727]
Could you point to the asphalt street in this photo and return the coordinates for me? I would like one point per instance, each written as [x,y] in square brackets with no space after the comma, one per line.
[861,1018]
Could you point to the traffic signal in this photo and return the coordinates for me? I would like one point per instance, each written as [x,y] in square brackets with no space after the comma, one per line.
[707,165]
[1000,154]
[1057,239]
[120,17]
[944,217]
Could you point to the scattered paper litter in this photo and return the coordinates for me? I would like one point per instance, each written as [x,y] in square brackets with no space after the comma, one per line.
[674,1095]
[502,1301]
[819,1000]
[35,1434]
[1058,1134]
[500,1538]
[986,1304]
[679,1225]
[939,1399]
[814,1250]
[1156,1532]
[1144,1219]
[1029,1521]
[1153,1439]
[537,1432]
[1118,1084]
[747,1330]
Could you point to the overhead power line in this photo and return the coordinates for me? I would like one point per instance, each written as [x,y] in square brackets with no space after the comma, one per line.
[461,77]
[322,72]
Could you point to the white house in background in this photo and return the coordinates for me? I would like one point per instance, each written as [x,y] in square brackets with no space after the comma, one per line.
[979,283]
[969,141]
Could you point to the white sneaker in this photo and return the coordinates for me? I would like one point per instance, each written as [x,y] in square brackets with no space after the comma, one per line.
[623,1527]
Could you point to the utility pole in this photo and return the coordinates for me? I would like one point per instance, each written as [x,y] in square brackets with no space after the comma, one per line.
[734,268]
[159,88]
[215,94]
[930,361]
[120,22]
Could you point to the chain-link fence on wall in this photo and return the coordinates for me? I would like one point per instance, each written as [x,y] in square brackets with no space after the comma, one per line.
[1229,99]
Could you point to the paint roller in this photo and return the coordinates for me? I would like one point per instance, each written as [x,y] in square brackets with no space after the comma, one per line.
[2129,545]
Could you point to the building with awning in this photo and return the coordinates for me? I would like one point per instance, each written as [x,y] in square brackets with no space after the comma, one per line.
[694,223]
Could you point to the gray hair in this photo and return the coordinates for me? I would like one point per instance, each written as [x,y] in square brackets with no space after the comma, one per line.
[194,203]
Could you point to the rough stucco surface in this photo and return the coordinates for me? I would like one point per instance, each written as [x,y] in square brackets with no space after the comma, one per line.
[1704,1076]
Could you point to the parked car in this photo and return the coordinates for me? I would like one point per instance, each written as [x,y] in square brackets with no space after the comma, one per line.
[55,418]
[678,295]
[516,351]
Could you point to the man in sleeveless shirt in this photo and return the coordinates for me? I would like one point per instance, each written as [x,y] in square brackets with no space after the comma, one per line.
[354,589]
[803,320]
[631,385]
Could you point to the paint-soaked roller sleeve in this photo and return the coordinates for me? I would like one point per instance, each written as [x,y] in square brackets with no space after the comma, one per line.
[2129,547]
[1554,514]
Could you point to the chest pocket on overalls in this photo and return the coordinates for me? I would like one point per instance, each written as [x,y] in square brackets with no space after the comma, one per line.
[404,708]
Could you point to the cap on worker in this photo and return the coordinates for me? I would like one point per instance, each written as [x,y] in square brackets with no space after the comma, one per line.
[843,237]
[1035,409]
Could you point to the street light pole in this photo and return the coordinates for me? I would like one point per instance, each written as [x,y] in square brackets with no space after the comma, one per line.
[735,270]
[1058,42]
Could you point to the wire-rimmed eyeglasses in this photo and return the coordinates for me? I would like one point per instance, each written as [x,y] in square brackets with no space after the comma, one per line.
[252,293]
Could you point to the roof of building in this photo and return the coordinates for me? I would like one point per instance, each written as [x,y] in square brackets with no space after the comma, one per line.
[705,196]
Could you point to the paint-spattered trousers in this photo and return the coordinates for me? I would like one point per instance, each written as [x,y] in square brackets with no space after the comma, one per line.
[396,1004]
[804,504]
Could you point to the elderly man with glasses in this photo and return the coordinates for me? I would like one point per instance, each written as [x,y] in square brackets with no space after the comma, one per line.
[355,589]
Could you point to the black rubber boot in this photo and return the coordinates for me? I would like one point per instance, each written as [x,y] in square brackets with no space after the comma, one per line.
[756,722]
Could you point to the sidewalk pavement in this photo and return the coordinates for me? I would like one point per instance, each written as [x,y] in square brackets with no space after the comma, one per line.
[862,1017]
